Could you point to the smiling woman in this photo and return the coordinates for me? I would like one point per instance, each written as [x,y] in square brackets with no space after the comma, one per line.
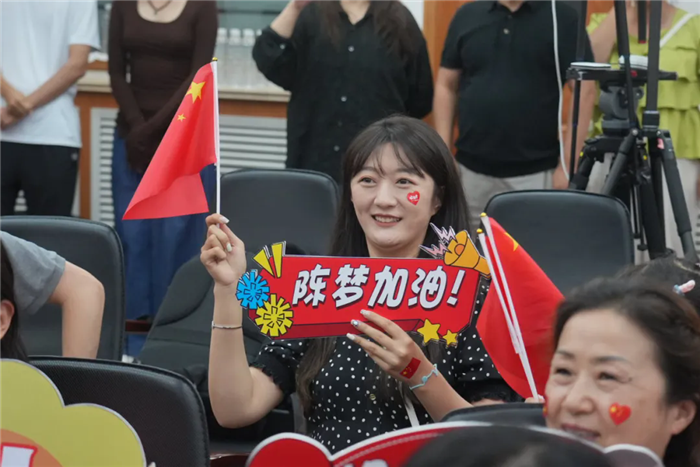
[627,369]
[398,178]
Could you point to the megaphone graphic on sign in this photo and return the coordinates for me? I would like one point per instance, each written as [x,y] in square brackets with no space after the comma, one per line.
[461,252]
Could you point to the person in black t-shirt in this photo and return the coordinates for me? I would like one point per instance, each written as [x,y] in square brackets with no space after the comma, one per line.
[347,64]
[498,68]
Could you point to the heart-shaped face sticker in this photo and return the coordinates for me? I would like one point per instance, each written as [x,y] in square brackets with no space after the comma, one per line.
[413,198]
[619,413]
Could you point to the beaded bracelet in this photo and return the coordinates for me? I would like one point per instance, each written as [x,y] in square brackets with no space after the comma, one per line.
[425,378]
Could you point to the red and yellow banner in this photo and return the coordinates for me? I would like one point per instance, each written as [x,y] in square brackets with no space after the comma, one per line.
[296,297]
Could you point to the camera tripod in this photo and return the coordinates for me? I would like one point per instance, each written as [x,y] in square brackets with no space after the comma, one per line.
[643,154]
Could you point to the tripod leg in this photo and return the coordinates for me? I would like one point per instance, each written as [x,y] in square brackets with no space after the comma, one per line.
[650,218]
[657,182]
[580,180]
[664,149]
[620,163]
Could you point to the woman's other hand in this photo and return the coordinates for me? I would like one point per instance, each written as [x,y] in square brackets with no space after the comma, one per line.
[393,349]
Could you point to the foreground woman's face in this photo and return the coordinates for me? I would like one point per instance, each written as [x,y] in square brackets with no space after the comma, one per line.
[606,385]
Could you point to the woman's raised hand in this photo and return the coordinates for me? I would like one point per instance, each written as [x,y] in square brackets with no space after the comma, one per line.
[393,349]
[223,254]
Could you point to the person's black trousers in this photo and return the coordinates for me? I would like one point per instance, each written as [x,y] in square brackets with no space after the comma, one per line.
[46,174]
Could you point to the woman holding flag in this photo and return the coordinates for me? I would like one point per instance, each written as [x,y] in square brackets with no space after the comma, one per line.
[356,387]
[160,45]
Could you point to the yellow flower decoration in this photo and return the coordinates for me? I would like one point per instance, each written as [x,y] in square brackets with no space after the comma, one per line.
[274,317]
[461,252]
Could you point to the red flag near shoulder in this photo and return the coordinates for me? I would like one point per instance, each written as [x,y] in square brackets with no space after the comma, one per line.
[172,185]
[535,300]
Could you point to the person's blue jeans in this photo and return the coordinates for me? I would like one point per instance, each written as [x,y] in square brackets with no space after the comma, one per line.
[154,249]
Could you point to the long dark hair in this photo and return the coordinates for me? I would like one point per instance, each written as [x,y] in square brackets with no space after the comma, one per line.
[672,323]
[391,23]
[11,344]
[418,147]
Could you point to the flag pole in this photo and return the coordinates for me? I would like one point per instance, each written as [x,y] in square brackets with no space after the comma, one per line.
[496,285]
[516,325]
[214,63]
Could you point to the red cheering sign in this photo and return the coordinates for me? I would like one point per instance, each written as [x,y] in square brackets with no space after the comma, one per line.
[396,448]
[388,450]
[297,297]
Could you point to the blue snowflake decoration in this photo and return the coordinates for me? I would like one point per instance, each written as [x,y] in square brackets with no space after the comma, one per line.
[252,291]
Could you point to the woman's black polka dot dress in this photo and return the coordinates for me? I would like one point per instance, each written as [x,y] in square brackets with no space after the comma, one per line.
[347,404]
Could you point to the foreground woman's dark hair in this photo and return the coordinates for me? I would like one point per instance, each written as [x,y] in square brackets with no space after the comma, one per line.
[506,446]
[673,325]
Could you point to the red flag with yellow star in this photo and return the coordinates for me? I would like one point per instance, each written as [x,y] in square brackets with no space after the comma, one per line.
[172,185]
[535,299]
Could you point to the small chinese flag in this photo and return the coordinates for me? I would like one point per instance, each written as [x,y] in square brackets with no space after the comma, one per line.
[411,368]
[172,185]
[535,300]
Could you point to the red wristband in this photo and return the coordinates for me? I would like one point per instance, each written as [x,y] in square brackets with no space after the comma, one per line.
[411,369]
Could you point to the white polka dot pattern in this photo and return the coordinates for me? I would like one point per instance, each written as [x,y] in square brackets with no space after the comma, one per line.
[348,407]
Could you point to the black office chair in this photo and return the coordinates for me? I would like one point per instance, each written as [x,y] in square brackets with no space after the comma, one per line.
[162,407]
[92,246]
[179,341]
[268,206]
[517,413]
[573,236]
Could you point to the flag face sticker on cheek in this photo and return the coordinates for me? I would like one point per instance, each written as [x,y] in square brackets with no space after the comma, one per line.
[619,413]
[411,368]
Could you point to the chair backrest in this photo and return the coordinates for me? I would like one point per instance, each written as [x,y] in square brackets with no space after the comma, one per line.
[181,330]
[92,246]
[573,236]
[179,341]
[268,206]
[162,407]
[518,414]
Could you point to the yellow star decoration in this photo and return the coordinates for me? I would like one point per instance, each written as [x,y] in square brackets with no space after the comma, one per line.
[450,338]
[195,90]
[181,117]
[274,317]
[515,244]
[429,331]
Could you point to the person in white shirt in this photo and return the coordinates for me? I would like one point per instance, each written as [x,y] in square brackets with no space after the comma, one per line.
[44,51]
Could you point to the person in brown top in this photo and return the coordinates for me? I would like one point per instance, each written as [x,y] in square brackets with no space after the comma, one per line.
[155,48]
